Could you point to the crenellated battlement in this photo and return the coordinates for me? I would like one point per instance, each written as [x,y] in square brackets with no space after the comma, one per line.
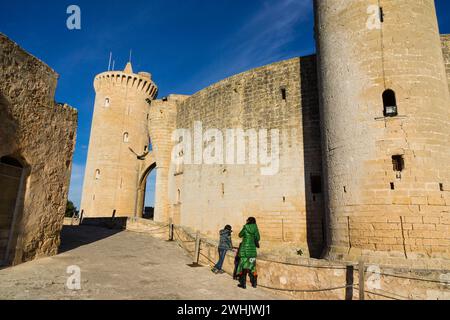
[139,82]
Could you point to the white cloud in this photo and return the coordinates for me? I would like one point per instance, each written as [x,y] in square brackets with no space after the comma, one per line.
[263,39]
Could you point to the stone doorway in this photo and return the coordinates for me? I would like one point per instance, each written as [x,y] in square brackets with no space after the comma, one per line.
[147,193]
[11,180]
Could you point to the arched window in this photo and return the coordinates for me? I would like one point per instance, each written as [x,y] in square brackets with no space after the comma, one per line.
[97,174]
[389,103]
[126,137]
[107,102]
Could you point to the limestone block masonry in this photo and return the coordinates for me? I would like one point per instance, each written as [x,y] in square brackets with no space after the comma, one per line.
[119,134]
[364,162]
[281,96]
[387,178]
[37,140]
[446,50]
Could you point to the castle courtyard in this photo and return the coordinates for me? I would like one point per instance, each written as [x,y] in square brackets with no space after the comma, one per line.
[320,158]
[120,265]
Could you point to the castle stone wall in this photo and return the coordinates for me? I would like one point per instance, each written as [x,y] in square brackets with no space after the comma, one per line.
[213,195]
[40,134]
[446,50]
[162,123]
[374,211]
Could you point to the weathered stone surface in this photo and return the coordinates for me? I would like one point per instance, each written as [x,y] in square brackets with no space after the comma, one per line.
[119,133]
[288,213]
[120,266]
[40,134]
[446,50]
[370,204]
[373,211]
[311,279]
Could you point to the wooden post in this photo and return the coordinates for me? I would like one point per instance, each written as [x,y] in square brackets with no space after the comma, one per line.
[362,280]
[349,282]
[197,248]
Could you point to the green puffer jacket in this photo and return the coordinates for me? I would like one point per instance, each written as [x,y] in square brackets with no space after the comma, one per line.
[249,234]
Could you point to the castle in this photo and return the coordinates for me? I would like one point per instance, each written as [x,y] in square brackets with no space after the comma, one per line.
[364,159]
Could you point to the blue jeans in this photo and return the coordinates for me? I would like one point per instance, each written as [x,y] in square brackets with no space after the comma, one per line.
[222,255]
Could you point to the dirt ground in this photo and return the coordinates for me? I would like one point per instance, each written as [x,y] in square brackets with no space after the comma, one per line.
[120,265]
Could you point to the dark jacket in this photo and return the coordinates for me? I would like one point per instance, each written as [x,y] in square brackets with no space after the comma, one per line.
[225,240]
[249,235]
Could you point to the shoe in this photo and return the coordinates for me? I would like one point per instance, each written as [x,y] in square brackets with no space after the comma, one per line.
[220,272]
[242,286]
[214,270]
[254,281]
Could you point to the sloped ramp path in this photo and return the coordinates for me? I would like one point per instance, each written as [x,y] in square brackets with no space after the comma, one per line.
[120,266]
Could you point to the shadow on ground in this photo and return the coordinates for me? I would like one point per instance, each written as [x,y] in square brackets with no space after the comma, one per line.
[73,237]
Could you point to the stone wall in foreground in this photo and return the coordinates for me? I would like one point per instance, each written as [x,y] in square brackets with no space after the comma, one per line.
[40,134]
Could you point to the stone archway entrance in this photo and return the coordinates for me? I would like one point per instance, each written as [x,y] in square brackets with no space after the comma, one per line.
[142,188]
[11,182]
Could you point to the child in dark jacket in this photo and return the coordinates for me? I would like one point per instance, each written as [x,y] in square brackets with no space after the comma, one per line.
[225,244]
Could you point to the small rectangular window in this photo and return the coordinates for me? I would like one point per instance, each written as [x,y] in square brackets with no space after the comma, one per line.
[441,186]
[283,93]
[392,186]
[316,184]
[381,14]
[398,163]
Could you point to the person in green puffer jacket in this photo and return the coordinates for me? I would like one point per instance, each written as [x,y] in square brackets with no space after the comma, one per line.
[248,253]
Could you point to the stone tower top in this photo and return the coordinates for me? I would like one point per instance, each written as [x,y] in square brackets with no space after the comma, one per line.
[127,78]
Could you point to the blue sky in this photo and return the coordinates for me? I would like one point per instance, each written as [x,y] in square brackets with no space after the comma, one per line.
[185,44]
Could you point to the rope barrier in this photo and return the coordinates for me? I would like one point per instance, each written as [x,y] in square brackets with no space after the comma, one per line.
[147,232]
[410,278]
[384,294]
[207,258]
[304,265]
[179,238]
[306,291]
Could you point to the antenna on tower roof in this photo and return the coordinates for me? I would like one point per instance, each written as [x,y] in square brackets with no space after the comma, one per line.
[109,64]
[131,53]
[114,65]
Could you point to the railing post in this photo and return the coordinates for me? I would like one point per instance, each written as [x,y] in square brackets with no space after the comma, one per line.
[349,282]
[73,218]
[111,223]
[81,217]
[362,280]
[171,227]
[197,249]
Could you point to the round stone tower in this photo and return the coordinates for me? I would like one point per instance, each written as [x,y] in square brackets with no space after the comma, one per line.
[119,135]
[386,129]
